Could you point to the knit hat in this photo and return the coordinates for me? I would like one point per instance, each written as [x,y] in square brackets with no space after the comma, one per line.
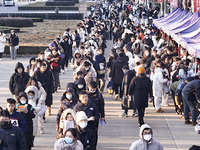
[141,70]
[80,116]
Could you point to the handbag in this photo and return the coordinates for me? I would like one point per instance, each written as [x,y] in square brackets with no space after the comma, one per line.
[127,103]
[42,110]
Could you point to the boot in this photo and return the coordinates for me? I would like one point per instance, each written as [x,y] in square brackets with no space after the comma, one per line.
[187,121]
[160,110]
[194,123]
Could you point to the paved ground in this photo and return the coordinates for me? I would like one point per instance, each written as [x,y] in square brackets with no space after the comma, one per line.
[119,133]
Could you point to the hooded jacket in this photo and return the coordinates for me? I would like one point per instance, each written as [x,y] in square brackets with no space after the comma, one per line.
[3,140]
[61,144]
[77,62]
[141,144]
[80,81]
[18,81]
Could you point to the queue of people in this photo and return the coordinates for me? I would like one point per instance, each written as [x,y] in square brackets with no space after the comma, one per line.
[144,65]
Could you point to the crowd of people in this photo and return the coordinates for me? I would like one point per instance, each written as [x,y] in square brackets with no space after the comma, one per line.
[144,65]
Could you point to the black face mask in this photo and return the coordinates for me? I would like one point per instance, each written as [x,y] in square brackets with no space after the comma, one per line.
[4,124]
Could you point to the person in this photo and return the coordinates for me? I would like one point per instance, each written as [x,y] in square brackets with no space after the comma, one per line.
[117,74]
[28,115]
[16,118]
[13,41]
[85,134]
[141,88]
[158,81]
[65,44]
[67,120]
[41,100]
[2,43]
[128,76]
[18,80]
[32,62]
[101,69]
[45,77]
[70,141]
[4,142]
[15,136]
[55,61]
[89,108]
[189,100]
[146,140]
[97,98]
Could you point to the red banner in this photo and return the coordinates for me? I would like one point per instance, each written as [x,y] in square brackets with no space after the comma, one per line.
[168,1]
[196,5]
[174,3]
[160,1]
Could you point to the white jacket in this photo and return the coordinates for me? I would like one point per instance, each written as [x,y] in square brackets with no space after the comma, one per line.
[41,94]
[158,81]
[131,61]
[2,43]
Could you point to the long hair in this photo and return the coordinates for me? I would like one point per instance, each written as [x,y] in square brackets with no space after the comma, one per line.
[36,82]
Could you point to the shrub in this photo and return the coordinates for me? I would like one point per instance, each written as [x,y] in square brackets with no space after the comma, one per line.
[37,19]
[27,49]
[7,29]
[76,1]
[47,8]
[60,3]
[15,22]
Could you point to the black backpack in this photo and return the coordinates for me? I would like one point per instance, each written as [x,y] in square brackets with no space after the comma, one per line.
[136,49]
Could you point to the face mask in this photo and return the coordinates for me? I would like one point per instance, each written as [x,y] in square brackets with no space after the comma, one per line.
[68,140]
[23,102]
[12,33]
[80,86]
[147,137]
[30,97]
[147,53]
[32,63]
[91,91]
[4,124]
[145,65]
[93,38]
[69,96]
[87,68]
[38,65]
[83,124]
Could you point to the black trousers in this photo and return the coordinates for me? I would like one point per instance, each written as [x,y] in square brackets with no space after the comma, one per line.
[118,90]
[141,116]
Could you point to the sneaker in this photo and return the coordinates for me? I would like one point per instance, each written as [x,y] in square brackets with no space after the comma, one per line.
[116,96]
[194,123]
[63,71]
[66,69]
[187,121]
[41,131]
[134,115]
[123,115]
[164,105]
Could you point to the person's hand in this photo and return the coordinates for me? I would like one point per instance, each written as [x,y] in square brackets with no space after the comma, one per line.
[179,106]
[103,119]
[91,118]
[25,111]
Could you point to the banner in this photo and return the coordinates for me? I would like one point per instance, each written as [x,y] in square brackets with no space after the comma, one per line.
[160,1]
[168,1]
[174,3]
[196,5]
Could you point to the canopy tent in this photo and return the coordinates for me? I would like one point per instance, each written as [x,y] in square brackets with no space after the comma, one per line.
[168,17]
[194,50]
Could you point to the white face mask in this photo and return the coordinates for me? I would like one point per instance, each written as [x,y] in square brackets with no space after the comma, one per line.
[147,53]
[83,124]
[87,68]
[32,63]
[23,102]
[91,91]
[147,137]
[80,86]
[69,96]
[38,65]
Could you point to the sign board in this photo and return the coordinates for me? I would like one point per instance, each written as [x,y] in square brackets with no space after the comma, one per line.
[196,5]
[174,3]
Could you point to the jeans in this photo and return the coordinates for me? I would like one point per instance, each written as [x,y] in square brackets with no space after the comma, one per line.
[189,106]
[13,52]
[56,78]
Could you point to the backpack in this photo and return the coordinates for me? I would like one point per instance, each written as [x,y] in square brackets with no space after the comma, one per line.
[136,49]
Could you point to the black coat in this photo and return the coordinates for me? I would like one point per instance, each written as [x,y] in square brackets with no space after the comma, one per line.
[127,80]
[29,124]
[47,81]
[3,140]
[116,72]
[67,48]
[141,88]
[98,100]
[15,137]
[13,40]
[18,81]
[110,61]
[91,110]
[87,138]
